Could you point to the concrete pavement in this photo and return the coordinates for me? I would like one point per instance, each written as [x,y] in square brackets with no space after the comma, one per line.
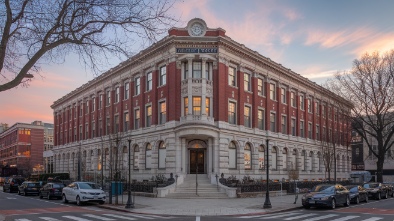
[205,207]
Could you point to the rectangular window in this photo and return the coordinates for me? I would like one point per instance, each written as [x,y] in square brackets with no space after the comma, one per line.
[93,129]
[317,132]
[149,82]
[108,128]
[100,128]
[126,120]
[162,112]
[231,76]
[163,76]
[75,134]
[284,125]
[260,119]
[196,105]
[93,104]
[100,102]
[207,106]
[317,108]
[310,130]
[247,83]
[137,119]
[272,92]
[247,118]
[260,87]
[80,132]
[126,90]
[293,127]
[186,68]
[186,105]
[309,105]
[80,109]
[87,107]
[231,113]
[108,97]
[148,116]
[283,95]
[323,111]
[293,99]
[116,124]
[117,90]
[302,102]
[137,86]
[302,129]
[197,66]
[86,131]
[329,113]
[273,122]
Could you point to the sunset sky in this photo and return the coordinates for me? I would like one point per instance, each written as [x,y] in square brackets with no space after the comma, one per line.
[313,38]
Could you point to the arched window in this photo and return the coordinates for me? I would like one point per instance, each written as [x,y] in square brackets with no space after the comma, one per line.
[232,156]
[162,155]
[261,157]
[136,157]
[311,163]
[148,156]
[247,157]
[274,156]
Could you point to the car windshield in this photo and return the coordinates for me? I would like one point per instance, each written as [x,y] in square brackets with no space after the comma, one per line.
[352,189]
[57,185]
[323,189]
[371,185]
[88,186]
[33,184]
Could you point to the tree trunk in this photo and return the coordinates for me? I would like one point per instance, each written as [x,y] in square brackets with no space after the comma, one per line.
[379,169]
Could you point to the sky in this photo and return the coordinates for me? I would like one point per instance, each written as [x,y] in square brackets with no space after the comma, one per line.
[313,38]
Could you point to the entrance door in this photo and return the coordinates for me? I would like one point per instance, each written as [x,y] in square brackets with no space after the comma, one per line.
[197,164]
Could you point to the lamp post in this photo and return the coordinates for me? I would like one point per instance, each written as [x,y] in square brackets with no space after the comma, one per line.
[130,203]
[267,203]
[79,161]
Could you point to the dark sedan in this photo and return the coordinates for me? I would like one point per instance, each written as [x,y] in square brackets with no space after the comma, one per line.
[326,195]
[357,194]
[50,190]
[29,187]
[376,190]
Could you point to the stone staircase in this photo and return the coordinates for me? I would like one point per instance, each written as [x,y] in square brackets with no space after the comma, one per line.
[205,190]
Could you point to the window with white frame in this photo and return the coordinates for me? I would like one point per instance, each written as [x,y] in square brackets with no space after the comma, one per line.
[80,109]
[302,129]
[87,107]
[317,132]
[284,124]
[163,76]
[196,106]
[247,157]
[148,113]
[323,111]
[162,112]
[137,86]
[283,95]
[247,117]
[100,102]
[93,130]
[309,105]
[126,119]
[117,91]
[247,82]
[149,81]
[148,156]
[310,130]
[136,157]
[86,131]
[207,106]
[293,126]
[317,108]
[293,99]
[197,68]
[80,132]
[137,119]
[260,87]
[232,114]
[108,97]
[232,76]
[93,104]
[260,119]
[273,92]
[273,122]
[186,105]
[232,156]
[302,102]
[162,155]
[126,90]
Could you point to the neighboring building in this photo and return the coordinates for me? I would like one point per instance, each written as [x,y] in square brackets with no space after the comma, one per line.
[198,102]
[22,146]
[3,127]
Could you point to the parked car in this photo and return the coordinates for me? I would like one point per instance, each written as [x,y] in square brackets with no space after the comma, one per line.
[326,195]
[377,190]
[81,192]
[390,186]
[12,183]
[29,187]
[50,190]
[357,194]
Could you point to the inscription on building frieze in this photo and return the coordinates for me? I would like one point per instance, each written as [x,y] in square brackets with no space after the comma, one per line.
[196,50]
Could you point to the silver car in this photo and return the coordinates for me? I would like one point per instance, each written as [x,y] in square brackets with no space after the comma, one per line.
[81,192]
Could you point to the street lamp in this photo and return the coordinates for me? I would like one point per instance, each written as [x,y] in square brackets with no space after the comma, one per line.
[130,203]
[267,203]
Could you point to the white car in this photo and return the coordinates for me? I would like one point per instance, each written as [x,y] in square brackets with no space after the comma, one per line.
[81,192]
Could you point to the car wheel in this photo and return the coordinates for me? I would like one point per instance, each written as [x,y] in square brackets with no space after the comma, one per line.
[79,201]
[64,199]
[386,196]
[357,200]
[48,196]
[366,199]
[347,203]
[333,204]
[40,195]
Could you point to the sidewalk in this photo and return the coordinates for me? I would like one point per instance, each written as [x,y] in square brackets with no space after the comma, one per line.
[205,207]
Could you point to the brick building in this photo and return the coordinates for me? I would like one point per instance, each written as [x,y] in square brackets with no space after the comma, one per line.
[22,146]
[199,102]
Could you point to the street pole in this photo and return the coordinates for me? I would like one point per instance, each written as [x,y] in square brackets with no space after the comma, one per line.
[335,166]
[130,203]
[79,162]
[267,203]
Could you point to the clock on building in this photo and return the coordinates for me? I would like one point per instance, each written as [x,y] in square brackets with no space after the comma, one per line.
[196,27]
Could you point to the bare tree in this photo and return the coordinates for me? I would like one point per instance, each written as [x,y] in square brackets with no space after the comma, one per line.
[370,86]
[38,31]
